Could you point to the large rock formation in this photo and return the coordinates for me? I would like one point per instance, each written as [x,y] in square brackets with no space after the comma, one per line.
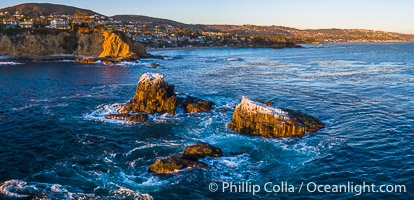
[189,158]
[105,44]
[153,95]
[260,120]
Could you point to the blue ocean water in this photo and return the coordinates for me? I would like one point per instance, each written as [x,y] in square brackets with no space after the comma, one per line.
[56,144]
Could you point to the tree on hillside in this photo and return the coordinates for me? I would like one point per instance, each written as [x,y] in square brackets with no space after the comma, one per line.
[43,21]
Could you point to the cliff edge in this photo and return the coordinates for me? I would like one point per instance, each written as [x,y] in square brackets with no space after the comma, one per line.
[104,44]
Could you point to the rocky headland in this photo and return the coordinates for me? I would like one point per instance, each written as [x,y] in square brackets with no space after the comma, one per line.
[154,95]
[257,119]
[51,45]
[189,158]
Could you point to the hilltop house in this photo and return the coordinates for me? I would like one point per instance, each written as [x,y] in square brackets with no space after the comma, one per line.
[10,23]
[59,24]
[26,24]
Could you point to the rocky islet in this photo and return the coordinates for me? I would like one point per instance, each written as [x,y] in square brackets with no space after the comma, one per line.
[154,95]
[257,119]
[189,158]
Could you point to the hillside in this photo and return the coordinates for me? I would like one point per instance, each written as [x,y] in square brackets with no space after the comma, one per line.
[146,19]
[45,9]
[319,35]
[314,35]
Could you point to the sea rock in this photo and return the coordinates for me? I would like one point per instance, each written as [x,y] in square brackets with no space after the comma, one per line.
[170,165]
[267,103]
[120,116]
[155,64]
[140,117]
[153,95]
[192,104]
[260,120]
[86,59]
[201,150]
[108,62]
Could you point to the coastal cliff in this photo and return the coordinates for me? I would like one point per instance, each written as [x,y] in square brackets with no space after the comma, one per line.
[102,44]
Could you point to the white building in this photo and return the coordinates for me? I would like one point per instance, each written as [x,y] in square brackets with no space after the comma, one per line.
[59,24]
[26,24]
[10,23]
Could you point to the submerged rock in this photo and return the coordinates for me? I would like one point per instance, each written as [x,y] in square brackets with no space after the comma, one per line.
[155,64]
[192,104]
[267,103]
[260,120]
[170,165]
[140,117]
[153,95]
[86,59]
[201,150]
[120,116]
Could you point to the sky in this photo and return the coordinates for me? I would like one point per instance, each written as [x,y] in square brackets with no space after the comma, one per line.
[385,15]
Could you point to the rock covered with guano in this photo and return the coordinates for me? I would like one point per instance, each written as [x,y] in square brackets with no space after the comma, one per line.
[257,119]
[153,95]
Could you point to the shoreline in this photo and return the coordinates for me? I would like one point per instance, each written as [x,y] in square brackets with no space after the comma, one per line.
[190,48]
[220,47]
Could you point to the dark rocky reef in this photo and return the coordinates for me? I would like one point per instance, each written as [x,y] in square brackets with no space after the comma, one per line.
[201,150]
[267,103]
[189,158]
[257,119]
[192,104]
[140,117]
[155,64]
[170,165]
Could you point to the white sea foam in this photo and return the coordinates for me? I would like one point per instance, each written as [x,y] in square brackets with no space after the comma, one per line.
[22,189]
[12,188]
[233,168]
[9,63]
[101,111]
[128,64]
[153,181]
[151,145]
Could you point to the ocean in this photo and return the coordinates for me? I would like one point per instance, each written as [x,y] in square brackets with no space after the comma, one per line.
[56,144]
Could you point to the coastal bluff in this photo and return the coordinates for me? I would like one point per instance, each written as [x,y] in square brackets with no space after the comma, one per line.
[257,119]
[108,45]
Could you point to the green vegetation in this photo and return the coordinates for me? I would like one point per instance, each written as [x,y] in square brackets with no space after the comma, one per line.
[70,43]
